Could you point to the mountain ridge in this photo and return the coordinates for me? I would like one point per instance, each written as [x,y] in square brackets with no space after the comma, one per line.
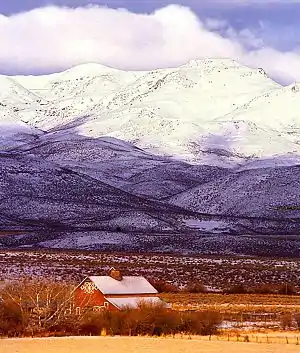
[196,105]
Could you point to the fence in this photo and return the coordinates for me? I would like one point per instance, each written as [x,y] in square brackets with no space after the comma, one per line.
[249,338]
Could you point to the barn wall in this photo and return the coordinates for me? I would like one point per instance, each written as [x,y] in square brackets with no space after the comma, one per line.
[95,300]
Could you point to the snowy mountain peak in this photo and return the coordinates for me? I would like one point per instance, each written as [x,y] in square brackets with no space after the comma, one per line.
[90,69]
[205,111]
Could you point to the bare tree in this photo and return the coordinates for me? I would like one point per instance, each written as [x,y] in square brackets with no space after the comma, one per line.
[40,302]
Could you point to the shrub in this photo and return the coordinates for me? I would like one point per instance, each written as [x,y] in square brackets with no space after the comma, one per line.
[91,326]
[152,320]
[297,319]
[63,327]
[195,287]
[12,321]
[210,320]
[164,287]
[287,289]
[237,289]
[201,323]
[155,319]
[286,321]
[264,289]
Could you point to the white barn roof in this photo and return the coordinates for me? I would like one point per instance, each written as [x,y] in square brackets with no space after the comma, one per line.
[128,285]
[133,302]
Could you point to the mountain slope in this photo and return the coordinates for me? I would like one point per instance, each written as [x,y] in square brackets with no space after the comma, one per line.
[197,112]
[38,195]
[121,164]
[266,192]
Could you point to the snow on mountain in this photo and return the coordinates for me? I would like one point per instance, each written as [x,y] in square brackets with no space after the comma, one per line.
[121,164]
[13,132]
[268,125]
[219,193]
[38,194]
[14,101]
[207,111]
[266,192]
[170,111]
[13,93]
[86,79]
[72,93]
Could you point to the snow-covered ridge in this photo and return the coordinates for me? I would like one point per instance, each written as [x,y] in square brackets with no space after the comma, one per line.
[212,111]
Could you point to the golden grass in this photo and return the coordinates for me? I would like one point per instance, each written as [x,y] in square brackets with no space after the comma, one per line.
[137,345]
[211,298]
[236,303]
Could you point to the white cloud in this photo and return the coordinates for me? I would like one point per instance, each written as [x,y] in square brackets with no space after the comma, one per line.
[53,38]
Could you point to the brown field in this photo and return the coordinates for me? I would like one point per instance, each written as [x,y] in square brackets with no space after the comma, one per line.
[237,303]
[137,345]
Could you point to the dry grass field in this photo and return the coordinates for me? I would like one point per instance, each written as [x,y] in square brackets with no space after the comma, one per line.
[237,303]
[137,345]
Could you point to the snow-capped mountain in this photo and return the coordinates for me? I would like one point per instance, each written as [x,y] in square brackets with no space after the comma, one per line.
[209,147]
[207,111]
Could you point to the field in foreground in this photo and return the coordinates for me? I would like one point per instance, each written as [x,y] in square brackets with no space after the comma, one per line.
[133,345]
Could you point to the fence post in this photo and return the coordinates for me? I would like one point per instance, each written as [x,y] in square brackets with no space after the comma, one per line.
[297,343]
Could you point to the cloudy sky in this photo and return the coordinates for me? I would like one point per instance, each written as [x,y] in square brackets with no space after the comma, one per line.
[43,36]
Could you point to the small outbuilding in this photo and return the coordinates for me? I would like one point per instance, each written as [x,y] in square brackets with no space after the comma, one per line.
[114,292]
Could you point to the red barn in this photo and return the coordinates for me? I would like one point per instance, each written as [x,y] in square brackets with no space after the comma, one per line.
[114,292]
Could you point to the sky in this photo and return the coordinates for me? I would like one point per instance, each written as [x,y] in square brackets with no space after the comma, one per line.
[42,36]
